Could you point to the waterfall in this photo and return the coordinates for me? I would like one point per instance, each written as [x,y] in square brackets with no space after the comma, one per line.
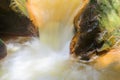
[54,19]
[48,58]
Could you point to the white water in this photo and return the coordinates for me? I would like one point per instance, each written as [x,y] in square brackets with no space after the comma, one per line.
[34,61]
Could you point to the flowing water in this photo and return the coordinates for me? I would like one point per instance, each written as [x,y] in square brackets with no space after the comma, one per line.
[54,19]
[38,60]
[32,60]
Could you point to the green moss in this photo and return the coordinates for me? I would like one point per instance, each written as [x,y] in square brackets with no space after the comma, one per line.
[1,42]
[19,6]
[109,22]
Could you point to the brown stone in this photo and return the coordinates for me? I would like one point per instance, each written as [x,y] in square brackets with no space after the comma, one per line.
[85,42]
[14,24]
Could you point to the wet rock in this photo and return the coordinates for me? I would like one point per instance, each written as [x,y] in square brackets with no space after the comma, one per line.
[14,24]
[99,29]
[4,5]
[85,42]
[3,49]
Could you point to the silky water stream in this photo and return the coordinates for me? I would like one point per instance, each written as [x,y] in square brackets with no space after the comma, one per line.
[49,58]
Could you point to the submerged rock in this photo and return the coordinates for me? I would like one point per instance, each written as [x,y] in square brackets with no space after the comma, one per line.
[98,30]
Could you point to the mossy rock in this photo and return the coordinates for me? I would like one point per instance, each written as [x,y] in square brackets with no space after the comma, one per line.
[3,50]
[13,24]
[98,30]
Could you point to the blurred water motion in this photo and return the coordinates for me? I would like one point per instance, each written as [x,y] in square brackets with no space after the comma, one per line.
[35,61]
[54,19]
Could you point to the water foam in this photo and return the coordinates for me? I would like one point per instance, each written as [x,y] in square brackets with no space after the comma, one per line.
[35,61]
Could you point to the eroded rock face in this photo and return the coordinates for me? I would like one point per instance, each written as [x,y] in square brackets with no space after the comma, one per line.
[85,42]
